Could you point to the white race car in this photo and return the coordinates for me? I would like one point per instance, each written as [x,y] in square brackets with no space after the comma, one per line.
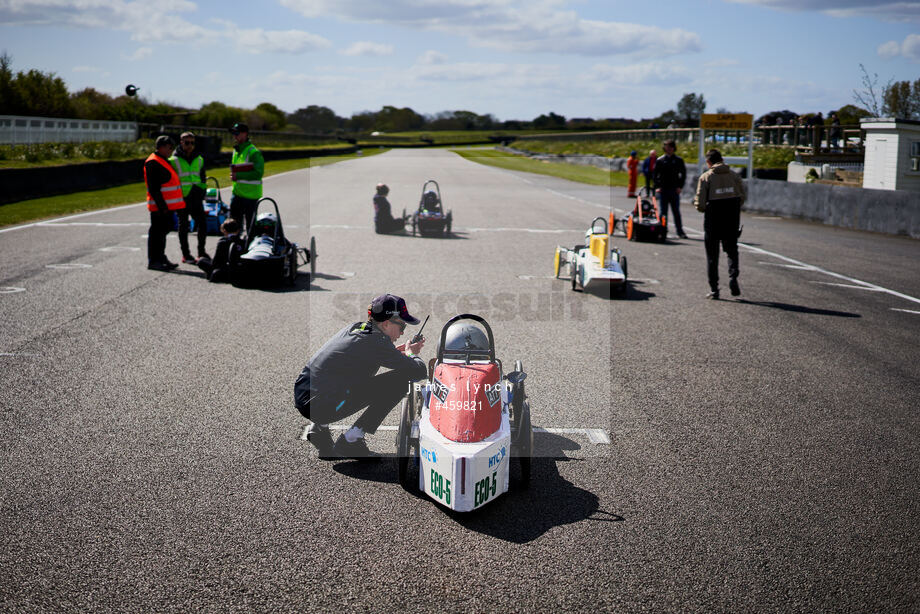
[594,264]
[464,425]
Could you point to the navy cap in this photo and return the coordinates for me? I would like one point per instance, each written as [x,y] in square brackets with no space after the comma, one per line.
[389,307]
[239,127]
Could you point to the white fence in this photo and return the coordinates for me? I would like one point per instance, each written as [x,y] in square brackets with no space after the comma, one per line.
[17,130]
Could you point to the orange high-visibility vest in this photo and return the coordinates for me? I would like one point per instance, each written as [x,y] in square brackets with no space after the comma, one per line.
[172,189]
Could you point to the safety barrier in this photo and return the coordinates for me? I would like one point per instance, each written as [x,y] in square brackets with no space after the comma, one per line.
[19,130]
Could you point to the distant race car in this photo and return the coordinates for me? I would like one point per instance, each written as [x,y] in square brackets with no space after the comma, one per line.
[463,427]
[595,264]
[430,218]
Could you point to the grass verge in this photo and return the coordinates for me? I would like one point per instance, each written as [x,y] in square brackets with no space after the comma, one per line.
[572,172]
[66,204]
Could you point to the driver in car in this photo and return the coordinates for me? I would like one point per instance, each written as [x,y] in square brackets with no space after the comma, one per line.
[341,378]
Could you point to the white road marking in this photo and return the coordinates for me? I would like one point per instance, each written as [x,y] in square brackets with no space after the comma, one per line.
[347,274]
[855,287]
[10,289]
[15,354]
[766,217]
[99,224]
[71,217]
[119,248]
[787,266]
[69,265]
[598,436]
[809,267]
[534,230]
[905,310]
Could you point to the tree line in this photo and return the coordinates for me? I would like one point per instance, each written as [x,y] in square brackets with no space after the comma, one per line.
[36,93]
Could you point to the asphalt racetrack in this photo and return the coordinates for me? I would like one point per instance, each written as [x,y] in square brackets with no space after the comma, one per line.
[751,454]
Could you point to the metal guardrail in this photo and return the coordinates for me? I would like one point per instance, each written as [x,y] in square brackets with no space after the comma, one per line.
[21,130]
[851,138]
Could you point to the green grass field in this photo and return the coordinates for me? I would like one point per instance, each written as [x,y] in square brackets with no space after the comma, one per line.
[66,204]
[572,172]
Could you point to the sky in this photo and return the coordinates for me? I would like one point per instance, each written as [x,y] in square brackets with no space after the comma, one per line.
[514,59]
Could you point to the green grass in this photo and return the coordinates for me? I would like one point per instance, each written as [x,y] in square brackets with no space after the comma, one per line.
[66,204]
[765,156]
[572,172]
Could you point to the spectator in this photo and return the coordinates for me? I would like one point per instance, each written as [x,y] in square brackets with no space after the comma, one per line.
[669,178]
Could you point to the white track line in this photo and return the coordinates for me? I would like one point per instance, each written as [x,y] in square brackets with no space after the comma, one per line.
[598,436]
[905,310]
[810,267]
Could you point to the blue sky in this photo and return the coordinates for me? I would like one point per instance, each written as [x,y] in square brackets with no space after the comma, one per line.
[515,59]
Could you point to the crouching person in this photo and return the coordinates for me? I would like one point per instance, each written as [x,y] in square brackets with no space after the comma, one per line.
[384,222]
[341,378]
[226,255]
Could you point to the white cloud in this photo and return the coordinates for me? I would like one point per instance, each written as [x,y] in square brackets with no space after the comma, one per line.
[649,73]
[432,57]
[909,49]
[86,69]
[885,10]
[368,48]
[511,25]
[150,23]
[140,54]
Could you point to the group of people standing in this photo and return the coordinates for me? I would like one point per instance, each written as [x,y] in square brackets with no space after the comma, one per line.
[666,175]
[175,181]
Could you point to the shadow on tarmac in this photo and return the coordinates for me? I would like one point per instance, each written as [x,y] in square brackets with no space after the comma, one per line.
[520,515]
[800,308]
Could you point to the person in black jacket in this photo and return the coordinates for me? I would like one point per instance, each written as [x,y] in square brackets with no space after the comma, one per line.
[159,174]
[341,378]
[384,222]
[670,176]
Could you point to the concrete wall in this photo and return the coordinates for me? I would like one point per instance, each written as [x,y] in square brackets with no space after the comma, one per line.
[888,211]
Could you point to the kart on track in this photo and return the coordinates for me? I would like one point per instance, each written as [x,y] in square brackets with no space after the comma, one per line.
[464,425]
[594,264]
[430,218]
[645,222]
[214,208]
[270,258]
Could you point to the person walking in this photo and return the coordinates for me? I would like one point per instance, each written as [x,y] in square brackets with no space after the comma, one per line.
[632,170]
[341,378]
[669,177]
[246,170]
[189,165]
[164,197]
[720,194]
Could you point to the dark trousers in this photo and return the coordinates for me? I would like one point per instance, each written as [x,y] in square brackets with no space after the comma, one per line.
[672,198]
[379,396]
[390,225]
[243,210]
[195,210]
[160,225]
[720,226]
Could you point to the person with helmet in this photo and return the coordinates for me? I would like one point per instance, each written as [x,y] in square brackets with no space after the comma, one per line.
[262,236]
[189,164]
[246,170]
[384,222]
[164,197]
[341,378]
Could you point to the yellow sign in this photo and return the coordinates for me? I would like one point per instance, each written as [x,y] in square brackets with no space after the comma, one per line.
[726,121]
